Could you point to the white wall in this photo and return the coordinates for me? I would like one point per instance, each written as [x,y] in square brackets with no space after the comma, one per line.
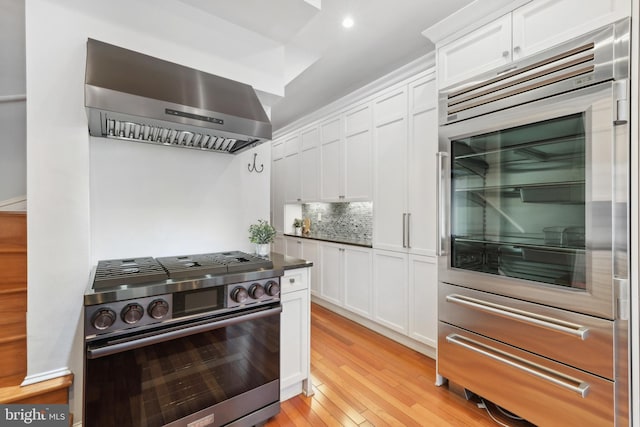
[81,203]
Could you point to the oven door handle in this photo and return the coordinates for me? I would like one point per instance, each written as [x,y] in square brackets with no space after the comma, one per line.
[134,343]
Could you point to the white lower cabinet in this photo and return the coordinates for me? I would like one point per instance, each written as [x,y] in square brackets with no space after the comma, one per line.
[345,274]
[423,299]
[294,334]
[390,290]
[331,273]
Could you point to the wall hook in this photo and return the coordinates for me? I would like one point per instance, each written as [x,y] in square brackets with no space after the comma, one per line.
[253,168]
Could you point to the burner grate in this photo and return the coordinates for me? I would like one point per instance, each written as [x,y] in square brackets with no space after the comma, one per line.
[116,272]
[182,267]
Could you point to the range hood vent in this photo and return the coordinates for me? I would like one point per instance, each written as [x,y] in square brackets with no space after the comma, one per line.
[136,97]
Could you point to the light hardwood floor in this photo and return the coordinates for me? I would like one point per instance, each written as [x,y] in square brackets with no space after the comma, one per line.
[361,378]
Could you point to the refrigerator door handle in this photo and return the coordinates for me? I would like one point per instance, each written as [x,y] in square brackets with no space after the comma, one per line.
[440,216]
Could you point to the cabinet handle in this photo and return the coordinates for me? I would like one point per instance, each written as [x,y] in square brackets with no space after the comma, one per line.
[516,49]
[409,230]
[544,373]
[440,217]
[292,280]
[505,53]
[546,322]
[404,230]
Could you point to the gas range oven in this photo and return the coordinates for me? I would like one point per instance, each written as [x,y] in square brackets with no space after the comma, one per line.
[189,340]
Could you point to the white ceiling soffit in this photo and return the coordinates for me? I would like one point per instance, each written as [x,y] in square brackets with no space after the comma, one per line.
[324,61]
[278,20]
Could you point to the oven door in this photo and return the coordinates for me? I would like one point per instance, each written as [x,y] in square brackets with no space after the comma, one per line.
[533,201]
[207,372]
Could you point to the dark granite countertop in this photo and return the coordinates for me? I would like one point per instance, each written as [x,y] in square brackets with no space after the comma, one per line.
[288,262]
[333,239]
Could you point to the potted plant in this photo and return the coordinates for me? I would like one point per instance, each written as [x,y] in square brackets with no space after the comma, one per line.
[262,234]
[297,226]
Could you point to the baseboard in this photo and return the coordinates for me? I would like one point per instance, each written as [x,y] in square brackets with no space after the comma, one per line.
[418,346]
[15,204]
[44,376]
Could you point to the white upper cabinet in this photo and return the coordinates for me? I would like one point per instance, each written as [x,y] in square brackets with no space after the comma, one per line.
[405,146]
[531,28]
[545,23]
[422,149]
[482,50]
[293,186]
[331,164]
[278,181]
[390,165]
[345,173]
[310,164]
[357,154]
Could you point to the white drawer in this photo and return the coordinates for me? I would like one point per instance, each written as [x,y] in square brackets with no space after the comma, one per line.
[294,280]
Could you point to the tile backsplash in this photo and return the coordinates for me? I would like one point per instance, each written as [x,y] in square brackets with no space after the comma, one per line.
[353,220]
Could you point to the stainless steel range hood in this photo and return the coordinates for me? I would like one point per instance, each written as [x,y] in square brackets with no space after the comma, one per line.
[132,96]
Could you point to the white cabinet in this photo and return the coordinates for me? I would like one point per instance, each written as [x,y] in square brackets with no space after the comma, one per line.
[545,23]
[278,180]
[390,166]
[405,146]
[357,154]
[331,273]
[311,252]
[294,334]
[481,50]
[345,275]
[357,280]
[529,29]
[423,299]
[310,164]
[390,290]
[422,149]
[293,247]
[292,184]
[279,245]
[331,164]
[346,144]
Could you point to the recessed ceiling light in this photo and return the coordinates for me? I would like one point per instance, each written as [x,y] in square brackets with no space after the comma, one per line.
[347,22]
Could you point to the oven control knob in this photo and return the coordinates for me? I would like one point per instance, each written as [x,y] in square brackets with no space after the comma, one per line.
[256,291]
[273,288]
[158,309]
[103,319]
[239,294]
[132,313]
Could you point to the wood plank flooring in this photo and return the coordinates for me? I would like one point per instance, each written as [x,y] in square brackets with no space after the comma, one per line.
[361,378]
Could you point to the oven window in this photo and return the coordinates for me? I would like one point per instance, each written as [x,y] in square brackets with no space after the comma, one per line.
[518,202]
[162,383]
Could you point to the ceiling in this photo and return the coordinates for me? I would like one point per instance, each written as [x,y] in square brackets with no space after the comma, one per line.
[323,60]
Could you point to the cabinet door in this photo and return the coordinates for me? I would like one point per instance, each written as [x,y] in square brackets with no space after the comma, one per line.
[278,183]
[423,145]
[310,253]
[331,273]
[293,338]
[293,187]
[357,280]
[331,149]
[310,164]
[357,154]
[423,299]
[294,247]
[279,245]
[486,48]
[390,290]
[390,156]
[544,23]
